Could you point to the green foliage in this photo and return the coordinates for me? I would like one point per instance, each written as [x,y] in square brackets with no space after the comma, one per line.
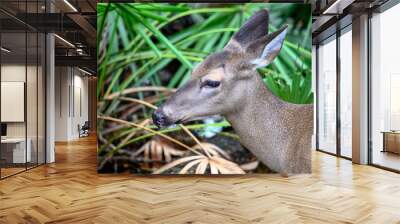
[139,42]
[146,45]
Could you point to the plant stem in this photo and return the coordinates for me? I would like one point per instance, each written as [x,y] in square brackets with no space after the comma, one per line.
[150,130]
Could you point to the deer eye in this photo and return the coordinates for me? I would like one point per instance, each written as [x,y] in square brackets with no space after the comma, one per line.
[210,84]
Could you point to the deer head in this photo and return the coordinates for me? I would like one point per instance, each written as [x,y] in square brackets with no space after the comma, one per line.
[218,85]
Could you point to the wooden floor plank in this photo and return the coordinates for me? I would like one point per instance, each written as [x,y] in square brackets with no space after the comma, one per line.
[71,191]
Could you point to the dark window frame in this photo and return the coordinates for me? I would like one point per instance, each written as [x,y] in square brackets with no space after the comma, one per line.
[339,32]
[29,29]
[381,9]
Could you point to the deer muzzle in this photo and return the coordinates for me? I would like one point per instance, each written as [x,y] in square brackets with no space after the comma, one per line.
[160,119]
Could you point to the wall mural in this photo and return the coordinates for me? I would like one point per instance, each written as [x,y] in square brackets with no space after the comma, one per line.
[204,88]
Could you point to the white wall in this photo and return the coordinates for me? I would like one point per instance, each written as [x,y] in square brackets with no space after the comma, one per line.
[12,73]
[16,73]
[80,102]
[33,127]
[61,103]
[71,102]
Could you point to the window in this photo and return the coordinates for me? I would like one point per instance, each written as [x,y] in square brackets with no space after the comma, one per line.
[327,96]
[22,101]
[346,93]
[385,89]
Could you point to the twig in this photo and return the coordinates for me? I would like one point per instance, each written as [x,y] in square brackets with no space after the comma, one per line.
[112,129]
[182,126]
[138,101]
[138,89]
[195,139]
[150,130]
[143,123]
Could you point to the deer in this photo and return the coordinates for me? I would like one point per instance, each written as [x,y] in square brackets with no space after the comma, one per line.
[227,83]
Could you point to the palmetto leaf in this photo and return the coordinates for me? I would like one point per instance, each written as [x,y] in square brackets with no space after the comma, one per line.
[138,43]
[250,166]
[212,149]
[217,165]
[157,149]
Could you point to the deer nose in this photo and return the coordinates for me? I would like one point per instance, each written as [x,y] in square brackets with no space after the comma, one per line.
[160,118]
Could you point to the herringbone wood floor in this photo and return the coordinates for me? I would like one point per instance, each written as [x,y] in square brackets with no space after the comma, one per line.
[70,191]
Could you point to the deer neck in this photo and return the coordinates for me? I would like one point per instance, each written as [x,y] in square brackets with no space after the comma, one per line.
[260,108]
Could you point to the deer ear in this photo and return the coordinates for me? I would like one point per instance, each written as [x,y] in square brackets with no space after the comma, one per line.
[264,50]
[254,28]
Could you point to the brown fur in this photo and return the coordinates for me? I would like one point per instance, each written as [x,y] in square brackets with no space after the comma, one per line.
[276,132]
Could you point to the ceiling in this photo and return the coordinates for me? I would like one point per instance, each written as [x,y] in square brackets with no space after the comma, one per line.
[74,22]
[331,15]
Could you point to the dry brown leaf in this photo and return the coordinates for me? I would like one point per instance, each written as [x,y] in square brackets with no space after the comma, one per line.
[216,164]
[177,162]
[202,167]
[188,166]
[157,149]
[227,167]
[212,149]
[213,168]
[250,166]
